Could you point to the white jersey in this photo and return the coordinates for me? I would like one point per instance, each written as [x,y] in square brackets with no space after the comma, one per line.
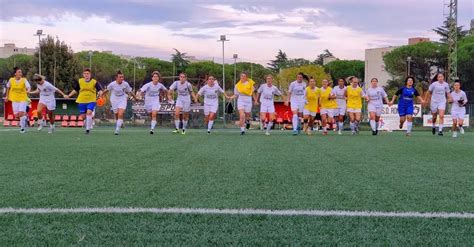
[119,91]
[457,97]
[46,92]
[267,93]
[152,91]
[438,91]
[340,96]
[297,90]
[211,94]
[376,96]
[184,90]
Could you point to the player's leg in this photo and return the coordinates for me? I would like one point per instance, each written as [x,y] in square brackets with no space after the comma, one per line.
[460,117]
[119,113]
[352,121]
[271,120]
[186,109]
[434,116]
[454,128]
[177,113]
[210,123]
[441,121]
[358,117]
[153,115]
[372,122]
[242,120]
[324,119]
[39,110]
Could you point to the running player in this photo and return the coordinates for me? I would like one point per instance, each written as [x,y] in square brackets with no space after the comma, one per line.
[376,96]
[120,91]
[151,91]
[244,92]
[296,99]
[328,104]
[407,96]
[439,92]
[340,92]
[458,109]
[87,90]
[266,93]
[311,107]
[183,102]
[211,92]
[47,100]
[18,88]
[354,103]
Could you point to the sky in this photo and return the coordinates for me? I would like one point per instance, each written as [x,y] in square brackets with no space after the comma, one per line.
[256,29]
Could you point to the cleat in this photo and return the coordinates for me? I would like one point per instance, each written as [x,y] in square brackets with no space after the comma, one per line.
[152,132]
[461,130]
[88,132]
[267,133]
[116,133]
[208,132]
[295,132]
[242,133]
[40,126]
[374,133]
[247,124]
[176,131]
[408,134]
[22,131]
[51,130]
[440,133]
[433,131]
[400,126]
[183,132]
[353,133]
[455,134]
[339,132]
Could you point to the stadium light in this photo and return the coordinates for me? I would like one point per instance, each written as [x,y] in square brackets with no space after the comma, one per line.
[39,33]
[223,39]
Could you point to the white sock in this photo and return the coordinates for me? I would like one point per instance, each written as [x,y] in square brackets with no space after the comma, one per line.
[23,122]
[440,127]
[40,122]
[176,123]
[325,128]
[295,122]
[153,124]
[372,125]
[88,122]
[409,126]
[118,124]
[269,126]
[434,123]
[352,126]
[242,129]
[51,126]
[376,125]
[341,126]
[185,123]
[209,125]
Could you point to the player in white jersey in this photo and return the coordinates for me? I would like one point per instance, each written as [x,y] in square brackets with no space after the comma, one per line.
[120,91]
[376,96]
[341,97]
[47,100]
[211,92]
[183,102]
[458,109]
[152,91]
[296,98]
[266,93]
[439,92]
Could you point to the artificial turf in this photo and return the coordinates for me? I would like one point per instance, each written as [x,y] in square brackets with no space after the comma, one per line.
[389,172]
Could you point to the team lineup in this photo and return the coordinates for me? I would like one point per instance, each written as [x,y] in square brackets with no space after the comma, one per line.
[304,98]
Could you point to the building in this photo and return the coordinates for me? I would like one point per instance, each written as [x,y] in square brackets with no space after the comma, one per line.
[375,66]
[328,59]
[472,27]
[10,49]
[416,40]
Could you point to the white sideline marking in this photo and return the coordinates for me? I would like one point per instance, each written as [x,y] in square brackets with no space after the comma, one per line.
[211,211]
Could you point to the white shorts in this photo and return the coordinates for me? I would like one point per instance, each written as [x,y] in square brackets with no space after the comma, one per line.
[353,110]
[152,106]
[118,104]
[244,105]
[340,111]
[297,105]
[267,108]
[310,113]
[435,106]
[329,112]
[458,113]
[210,108]
[19,107]
[50,104]
[185,105]
[376,109]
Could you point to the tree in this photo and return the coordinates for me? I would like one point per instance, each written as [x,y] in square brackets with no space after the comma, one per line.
[345,68]
[25,62]
[180,60]
[466,61]
[286,76]
[297,62]
[320,60]
[443,31]
[58,63]
[279,63]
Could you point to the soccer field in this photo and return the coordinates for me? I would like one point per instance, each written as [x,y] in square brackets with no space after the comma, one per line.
[351,174]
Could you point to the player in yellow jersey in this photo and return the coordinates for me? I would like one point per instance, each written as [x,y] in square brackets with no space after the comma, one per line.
[87,90]
[18,88]
[355,94]
[311,106]
[328,104]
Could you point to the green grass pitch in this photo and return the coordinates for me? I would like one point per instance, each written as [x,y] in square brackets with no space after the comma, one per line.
[389,172]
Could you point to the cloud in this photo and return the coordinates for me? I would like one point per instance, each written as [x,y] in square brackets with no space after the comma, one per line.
[126,48]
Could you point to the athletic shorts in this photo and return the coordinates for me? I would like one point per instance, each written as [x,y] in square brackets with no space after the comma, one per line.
[329,112]
[19,107]
[458,113]
[376,109]
[185,105]
[267,108]
[297,105]
[244,105]
[340,111]
[152,105]
[83,107]
[309,113]
[354,110]
[210,108]
[118,104]
[404,110]
[435,106]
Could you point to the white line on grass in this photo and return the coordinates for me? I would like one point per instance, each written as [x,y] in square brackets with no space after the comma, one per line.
[213,211]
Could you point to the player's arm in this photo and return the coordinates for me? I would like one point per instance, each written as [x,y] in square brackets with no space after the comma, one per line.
[99,89]
[36,91]
[6,95]
[288,98]
[75,89]
[62,93]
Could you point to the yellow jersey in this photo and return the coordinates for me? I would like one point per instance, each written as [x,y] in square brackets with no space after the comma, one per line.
[326,102]
[18,89]
[354,97]
[312,97]
[245,88]
[87,91]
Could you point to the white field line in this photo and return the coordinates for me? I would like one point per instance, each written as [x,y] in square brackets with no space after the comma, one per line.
[212,211]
